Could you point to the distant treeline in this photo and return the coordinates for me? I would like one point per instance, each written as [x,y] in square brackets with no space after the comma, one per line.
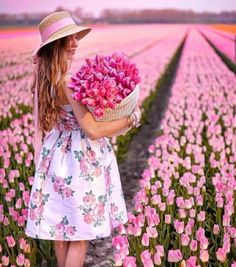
[129,16]
[167,16]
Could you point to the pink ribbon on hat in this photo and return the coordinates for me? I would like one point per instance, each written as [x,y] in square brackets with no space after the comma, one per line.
[55,27]
[38,135]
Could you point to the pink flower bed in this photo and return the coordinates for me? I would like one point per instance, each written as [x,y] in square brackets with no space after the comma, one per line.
[225,42]
[184,212]
[16,171]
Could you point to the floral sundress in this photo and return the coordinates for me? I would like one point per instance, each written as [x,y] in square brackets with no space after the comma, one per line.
[76,192]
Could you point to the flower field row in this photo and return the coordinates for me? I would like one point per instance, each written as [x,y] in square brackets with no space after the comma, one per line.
[184,213]
[224,41]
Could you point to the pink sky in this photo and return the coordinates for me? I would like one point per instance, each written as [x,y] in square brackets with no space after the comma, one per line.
[95,6]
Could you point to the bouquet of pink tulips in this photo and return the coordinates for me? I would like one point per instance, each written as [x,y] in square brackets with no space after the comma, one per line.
[107,85]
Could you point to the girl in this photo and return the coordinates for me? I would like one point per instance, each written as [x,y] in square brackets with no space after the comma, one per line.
[76,194]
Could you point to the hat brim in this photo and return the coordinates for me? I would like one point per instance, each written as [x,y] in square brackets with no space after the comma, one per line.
[81,33]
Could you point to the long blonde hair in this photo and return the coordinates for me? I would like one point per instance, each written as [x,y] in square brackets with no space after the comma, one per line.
[52,70]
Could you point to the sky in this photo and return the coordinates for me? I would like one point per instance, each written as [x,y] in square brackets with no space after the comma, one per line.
[95,6]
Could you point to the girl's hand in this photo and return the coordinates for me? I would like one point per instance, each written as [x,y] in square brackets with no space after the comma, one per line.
[138,113]
[134,118]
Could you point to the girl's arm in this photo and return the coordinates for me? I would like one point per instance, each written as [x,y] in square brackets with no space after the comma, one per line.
[93,129]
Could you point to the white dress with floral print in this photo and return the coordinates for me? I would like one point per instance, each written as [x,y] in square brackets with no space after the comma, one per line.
[76,193]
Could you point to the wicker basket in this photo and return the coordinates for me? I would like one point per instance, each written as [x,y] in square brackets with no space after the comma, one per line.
[124,108]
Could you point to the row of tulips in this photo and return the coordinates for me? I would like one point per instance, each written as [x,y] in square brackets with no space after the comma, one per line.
[225,42]
[17,169]
[184,213]
[227,33]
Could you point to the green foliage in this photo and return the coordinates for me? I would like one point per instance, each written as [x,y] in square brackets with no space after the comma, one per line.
[16,113]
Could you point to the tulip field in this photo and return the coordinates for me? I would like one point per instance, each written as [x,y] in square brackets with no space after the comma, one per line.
[224,41]
[185,210]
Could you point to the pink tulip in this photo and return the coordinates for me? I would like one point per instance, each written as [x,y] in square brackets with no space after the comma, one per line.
[204,256]
[192,261]
[179,226]
[185,240]
[120,242]
[182,213]
[98,112]
[6,221]
[157,259]
[20,259]
[189,227]
[27,263]
[180,202]
[192,213]
[201,216]
[129,261]
[146,259]
[118,259]
[193,245]
[160,250]
[162,206]
[130,229]
[18,203]
[189,203]
[204,243]
[140,219]
[10,241]
[22,243]
[151,232]
[138,206]
[174,255]
[152,216]
[226,220]
[200,233]
[5,260]
[221,255]
[156,199]
[167,218]
[137,230]
[88,101]
[216,229]
[199,200]
[121,229]
[145,240]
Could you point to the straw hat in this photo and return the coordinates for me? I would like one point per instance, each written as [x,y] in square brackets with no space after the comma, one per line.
[57,25]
